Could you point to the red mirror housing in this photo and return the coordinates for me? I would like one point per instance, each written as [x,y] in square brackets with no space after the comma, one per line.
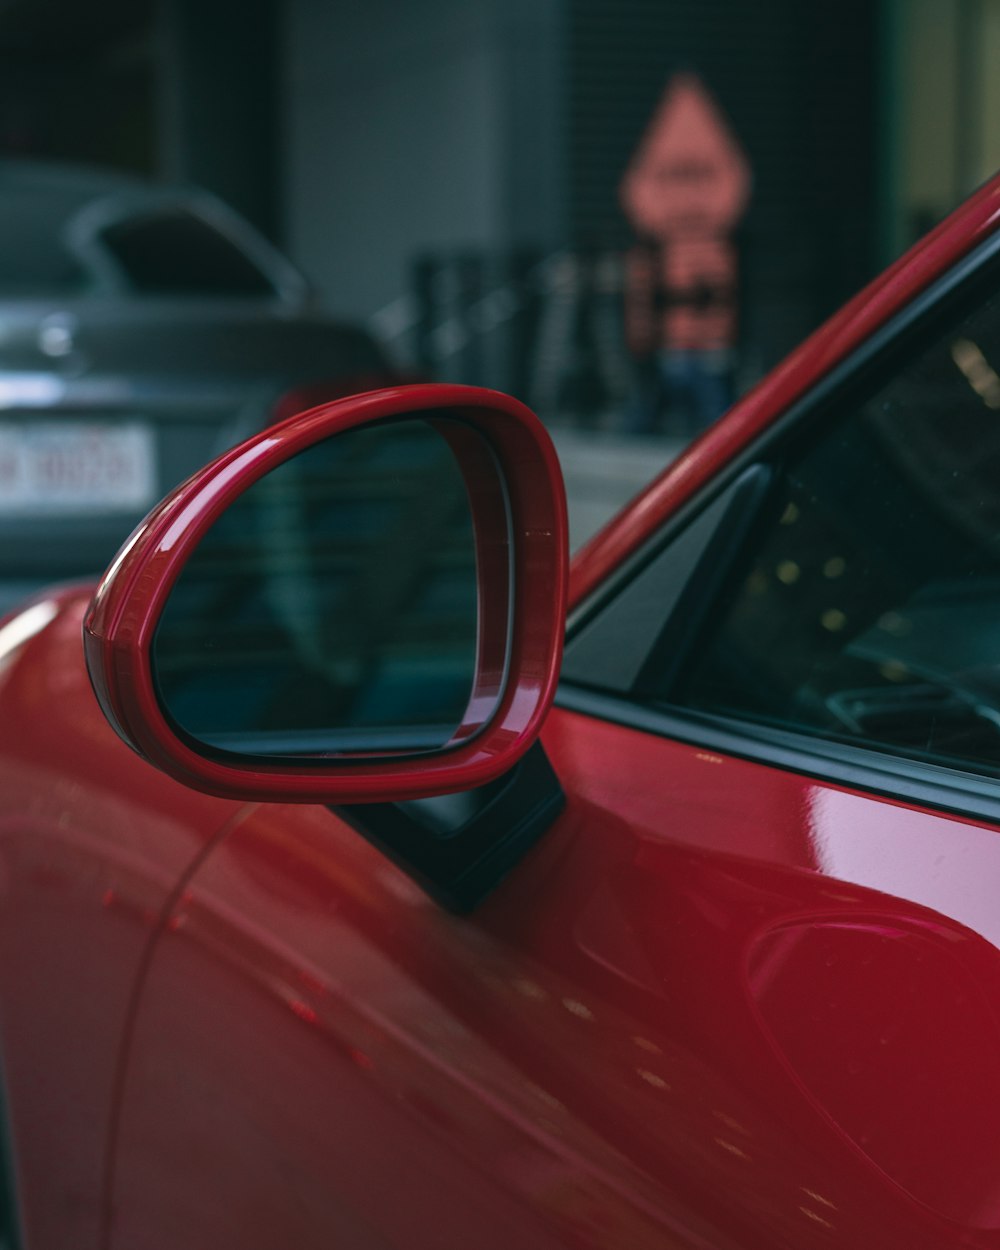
[522,604]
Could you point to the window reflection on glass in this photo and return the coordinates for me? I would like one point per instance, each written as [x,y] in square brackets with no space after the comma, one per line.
[870,609]
[333,607]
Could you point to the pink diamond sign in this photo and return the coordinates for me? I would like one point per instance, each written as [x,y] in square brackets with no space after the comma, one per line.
[689,174]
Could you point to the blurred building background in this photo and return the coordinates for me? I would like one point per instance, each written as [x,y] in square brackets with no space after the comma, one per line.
[448,171]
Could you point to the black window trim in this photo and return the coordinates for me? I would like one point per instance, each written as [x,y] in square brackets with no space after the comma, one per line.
[859,768]
[936,786]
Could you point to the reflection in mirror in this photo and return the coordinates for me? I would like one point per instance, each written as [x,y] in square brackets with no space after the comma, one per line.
[333,607]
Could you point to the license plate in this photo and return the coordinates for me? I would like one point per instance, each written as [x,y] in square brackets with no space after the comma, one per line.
[76,467]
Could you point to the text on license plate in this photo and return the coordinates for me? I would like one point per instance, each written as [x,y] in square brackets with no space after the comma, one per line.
[71,466]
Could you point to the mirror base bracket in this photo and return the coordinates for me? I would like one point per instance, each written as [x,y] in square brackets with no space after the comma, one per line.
[460,846]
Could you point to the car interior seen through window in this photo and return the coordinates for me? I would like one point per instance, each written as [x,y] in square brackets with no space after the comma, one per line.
[865,606]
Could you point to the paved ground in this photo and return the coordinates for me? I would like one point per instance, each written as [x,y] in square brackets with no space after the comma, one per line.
[603,471]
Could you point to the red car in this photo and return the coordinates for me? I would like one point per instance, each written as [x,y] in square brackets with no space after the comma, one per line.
[362,944]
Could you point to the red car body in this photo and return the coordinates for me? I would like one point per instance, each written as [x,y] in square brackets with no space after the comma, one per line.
[721,1003]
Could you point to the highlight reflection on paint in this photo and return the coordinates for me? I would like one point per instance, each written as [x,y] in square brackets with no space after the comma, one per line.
[918,856]
[25,625]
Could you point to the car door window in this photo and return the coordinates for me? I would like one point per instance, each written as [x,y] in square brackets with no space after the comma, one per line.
[866,605]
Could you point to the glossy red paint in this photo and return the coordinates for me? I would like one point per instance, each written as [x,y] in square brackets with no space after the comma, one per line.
[93,842]
[119,628]
[487,494]
[728,1007]
[301,398]
[958,234]
[614,1042]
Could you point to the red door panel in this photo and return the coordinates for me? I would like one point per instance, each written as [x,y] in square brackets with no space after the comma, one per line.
[92,843]
[657,1032]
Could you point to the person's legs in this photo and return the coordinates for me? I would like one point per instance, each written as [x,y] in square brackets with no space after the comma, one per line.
[642,411]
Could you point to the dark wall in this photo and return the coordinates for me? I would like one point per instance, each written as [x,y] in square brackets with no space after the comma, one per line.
[457,124]
[77,82]
[219,101]
[797,82]
[183,89]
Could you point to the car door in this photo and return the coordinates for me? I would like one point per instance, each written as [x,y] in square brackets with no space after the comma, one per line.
[743,992]
[92,844]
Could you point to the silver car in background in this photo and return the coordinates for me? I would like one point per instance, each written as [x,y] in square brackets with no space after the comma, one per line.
[143,329]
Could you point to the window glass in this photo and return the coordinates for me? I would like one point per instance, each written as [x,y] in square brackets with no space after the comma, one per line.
[869,608]
[173,252]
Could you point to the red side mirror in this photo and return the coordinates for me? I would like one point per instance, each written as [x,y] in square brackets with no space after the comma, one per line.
[363,603]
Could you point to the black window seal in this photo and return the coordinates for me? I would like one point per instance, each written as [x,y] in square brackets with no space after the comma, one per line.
[935,786]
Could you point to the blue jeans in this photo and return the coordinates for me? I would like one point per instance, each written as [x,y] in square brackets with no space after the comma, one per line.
[693,389]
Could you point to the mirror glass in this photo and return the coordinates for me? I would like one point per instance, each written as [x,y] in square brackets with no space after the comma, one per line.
[334,608]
